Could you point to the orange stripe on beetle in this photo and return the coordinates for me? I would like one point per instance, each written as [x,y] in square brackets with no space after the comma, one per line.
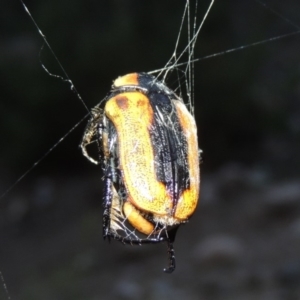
[189,199]
[136,219]
[136,156]
[129,79]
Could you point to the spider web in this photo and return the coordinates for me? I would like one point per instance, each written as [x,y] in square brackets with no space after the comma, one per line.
[181,64]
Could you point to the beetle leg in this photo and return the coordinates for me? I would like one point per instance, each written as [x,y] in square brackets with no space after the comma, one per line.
[171,252]
[107,201]
[172,261]
[91,132]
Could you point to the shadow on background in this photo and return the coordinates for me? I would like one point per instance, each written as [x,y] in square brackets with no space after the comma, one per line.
[244,240]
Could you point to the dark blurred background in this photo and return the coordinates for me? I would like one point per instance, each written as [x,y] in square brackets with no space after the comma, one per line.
[244,240]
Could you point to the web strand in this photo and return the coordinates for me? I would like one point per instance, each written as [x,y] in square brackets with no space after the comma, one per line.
[43,157]
[67,78]
[273,39]
[277,14]
[5,286]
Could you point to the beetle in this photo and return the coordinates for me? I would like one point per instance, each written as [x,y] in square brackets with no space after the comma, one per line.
[147,142]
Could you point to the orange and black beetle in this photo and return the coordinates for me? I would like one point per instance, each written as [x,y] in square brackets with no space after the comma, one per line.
[149,154]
